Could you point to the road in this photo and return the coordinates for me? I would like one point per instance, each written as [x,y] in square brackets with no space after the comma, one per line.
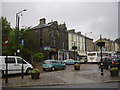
[98,85]
[89,76]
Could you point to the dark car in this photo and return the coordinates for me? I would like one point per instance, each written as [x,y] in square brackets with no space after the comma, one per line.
[110,62]
[106,62]
[115,62]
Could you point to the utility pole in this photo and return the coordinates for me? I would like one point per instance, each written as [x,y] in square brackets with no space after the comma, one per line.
[17,28]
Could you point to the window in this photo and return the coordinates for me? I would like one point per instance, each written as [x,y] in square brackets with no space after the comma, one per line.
[52,33]
[19,61]
[72,38]
[78,46]
[54,43]
[91,54]
[78,39]
[63,44]
[54,62]
[62,35]
[10,60]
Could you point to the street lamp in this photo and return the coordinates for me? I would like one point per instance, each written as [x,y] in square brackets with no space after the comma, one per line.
[85,40]
[17,28]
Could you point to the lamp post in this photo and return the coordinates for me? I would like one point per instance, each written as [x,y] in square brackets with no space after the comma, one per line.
[101,43]
[17,28]
[86,41]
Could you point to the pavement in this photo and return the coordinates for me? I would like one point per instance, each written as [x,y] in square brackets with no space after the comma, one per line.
[70,76]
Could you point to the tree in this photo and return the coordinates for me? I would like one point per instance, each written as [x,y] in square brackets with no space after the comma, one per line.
[6,29]
[38,57]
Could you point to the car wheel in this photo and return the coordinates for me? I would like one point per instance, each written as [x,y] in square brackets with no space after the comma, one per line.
[109,67]
[53,69]
[64,68]
[44,69]
[28,71]
[106,67]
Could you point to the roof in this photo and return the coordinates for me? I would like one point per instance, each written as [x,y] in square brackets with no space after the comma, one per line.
[41,26]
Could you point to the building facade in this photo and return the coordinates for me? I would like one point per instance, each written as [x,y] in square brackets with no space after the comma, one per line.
[79,40]
[56,42]
[49,38]
[110,45]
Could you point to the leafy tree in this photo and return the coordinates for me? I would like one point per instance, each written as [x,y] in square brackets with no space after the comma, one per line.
[27,54]
[6,29]
[38,57]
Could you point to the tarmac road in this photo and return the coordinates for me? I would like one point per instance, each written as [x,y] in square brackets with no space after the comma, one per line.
[98,85]
[89,74]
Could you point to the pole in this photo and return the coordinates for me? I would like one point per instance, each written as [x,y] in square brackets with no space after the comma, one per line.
[101,58]
[22,70]
[85,43]
[74,53]
[17,32]
[6,78]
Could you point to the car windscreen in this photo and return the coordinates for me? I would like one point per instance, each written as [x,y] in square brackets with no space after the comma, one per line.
[91,54]
[49,62]
[107,59]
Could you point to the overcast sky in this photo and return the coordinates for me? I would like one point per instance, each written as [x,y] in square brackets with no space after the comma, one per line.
[96,17]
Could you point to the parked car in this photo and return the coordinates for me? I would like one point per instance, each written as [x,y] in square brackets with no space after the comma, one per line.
[53,65]
[14,65]
[115,62]
[83,59]
[109,62]
[106,62]
[69,61]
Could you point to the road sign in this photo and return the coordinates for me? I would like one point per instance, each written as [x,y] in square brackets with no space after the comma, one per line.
[6,42]
[47,48]
[22,42]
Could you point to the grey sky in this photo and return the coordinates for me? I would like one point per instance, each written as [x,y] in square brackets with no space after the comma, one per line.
[96,17]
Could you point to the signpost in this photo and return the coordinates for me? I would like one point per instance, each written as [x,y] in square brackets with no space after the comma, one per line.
[22,72]
[6,59]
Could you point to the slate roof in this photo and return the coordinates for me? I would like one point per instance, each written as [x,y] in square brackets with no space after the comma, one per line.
[41,26]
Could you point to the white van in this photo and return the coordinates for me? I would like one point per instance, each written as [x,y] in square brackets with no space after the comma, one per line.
[14,65]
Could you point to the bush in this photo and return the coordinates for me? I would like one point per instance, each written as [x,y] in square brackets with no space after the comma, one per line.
[114,69]
[38,57]
[35,71]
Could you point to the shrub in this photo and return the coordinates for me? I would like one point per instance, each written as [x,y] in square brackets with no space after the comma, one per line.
[35,71]
[38,57]
[114,69]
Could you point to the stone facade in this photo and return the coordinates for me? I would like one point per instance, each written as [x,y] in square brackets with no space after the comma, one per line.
[110,45]
[77,39]
[51,36]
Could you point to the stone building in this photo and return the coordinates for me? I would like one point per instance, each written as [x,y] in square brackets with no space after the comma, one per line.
[110,45]
[49,38]
[77,39]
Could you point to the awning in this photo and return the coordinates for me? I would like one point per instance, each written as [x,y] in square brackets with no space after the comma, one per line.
[81,53]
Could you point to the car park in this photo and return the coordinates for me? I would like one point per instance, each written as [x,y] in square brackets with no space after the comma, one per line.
[53,65]
[69,61]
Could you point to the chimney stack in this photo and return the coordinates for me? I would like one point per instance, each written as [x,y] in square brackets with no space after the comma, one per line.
[79,33]
[42,21]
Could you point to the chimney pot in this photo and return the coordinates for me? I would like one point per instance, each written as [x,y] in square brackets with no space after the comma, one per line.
[42,21]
